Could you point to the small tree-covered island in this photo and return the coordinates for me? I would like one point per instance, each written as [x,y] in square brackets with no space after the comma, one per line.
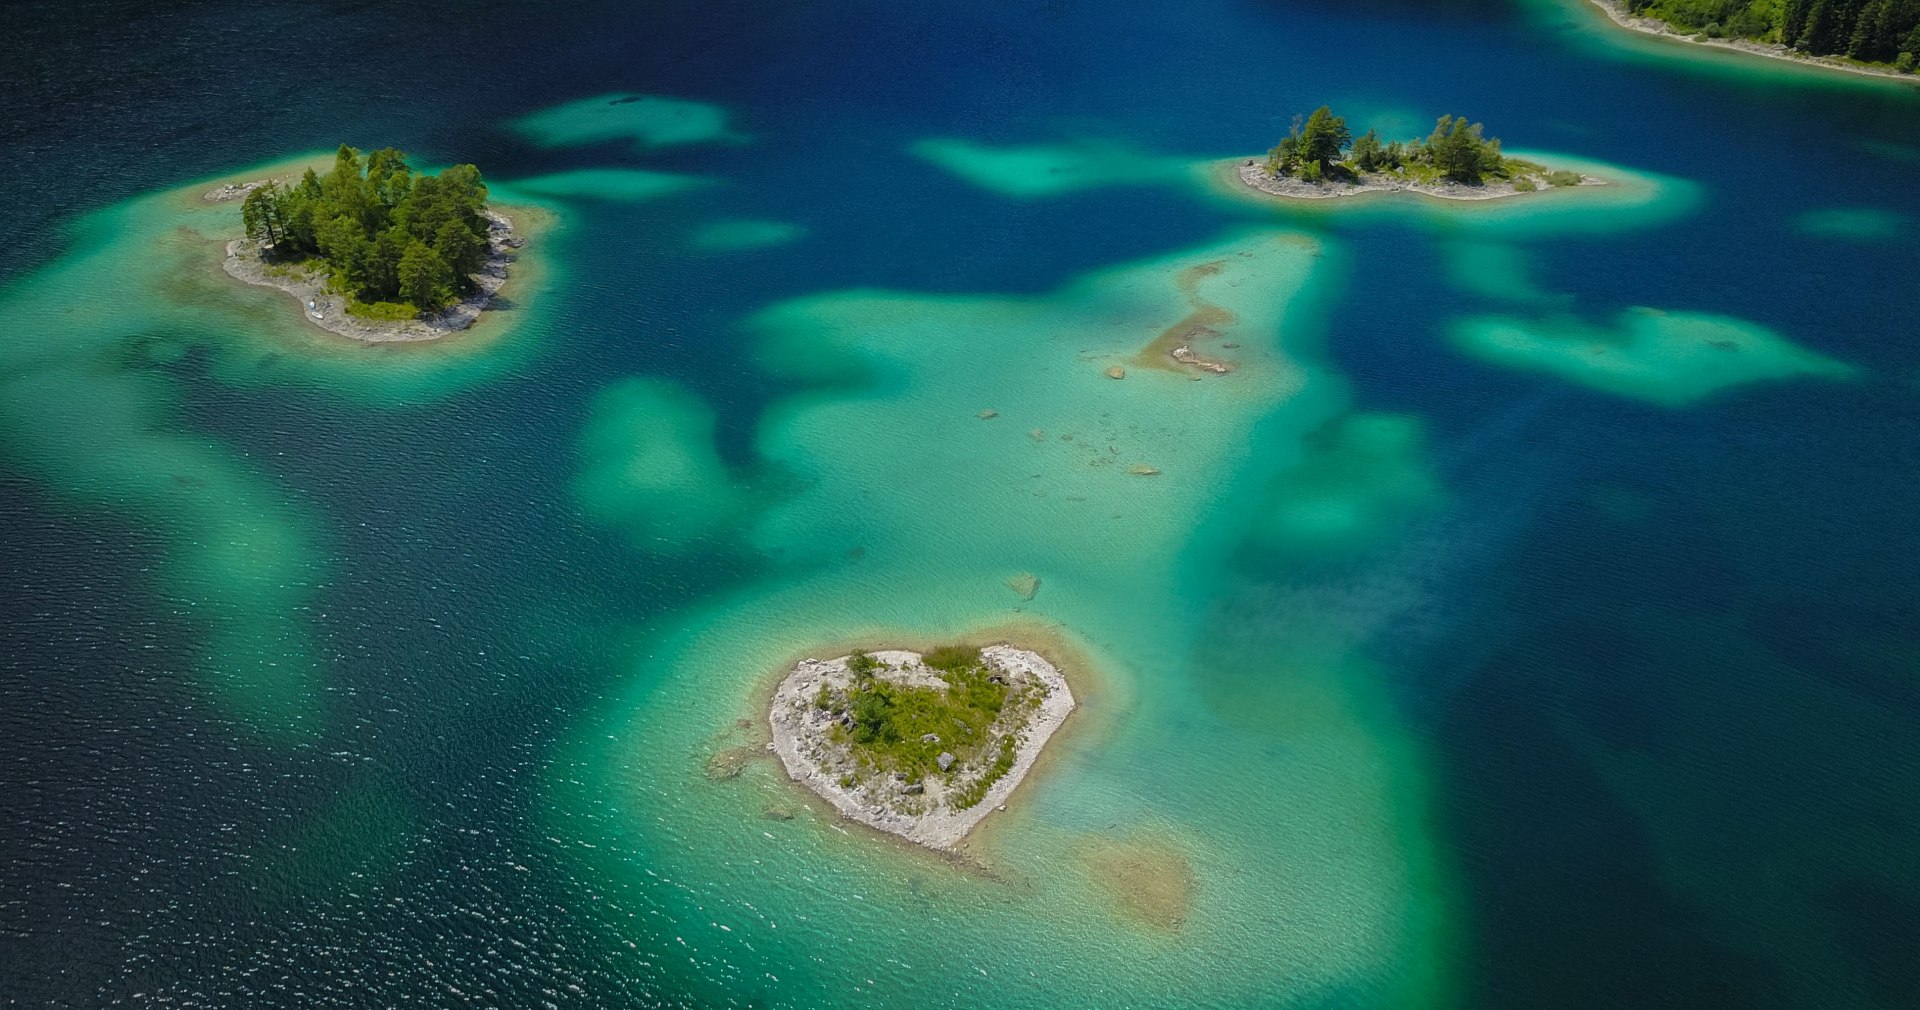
[921,746]
[374,250]
[1320,158]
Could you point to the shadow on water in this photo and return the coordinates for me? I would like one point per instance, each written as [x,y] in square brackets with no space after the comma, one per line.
[1617,851]
[1565,886]
[1850,643]
[1565,882]
[1881,932]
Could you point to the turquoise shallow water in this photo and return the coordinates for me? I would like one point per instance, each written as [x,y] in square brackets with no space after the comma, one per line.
[1524,620]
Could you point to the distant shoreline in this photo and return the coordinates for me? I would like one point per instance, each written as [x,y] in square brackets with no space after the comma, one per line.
[1253,174]
[1617,13]
[244,262]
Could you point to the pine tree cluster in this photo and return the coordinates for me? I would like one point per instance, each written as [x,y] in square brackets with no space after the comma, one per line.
[1320,147]
[386,233]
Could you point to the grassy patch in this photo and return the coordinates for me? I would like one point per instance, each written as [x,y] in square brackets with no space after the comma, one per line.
[1424,175]
[977,789]
[952,658]
[904,729]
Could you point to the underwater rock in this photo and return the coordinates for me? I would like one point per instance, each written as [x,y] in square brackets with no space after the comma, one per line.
[1026,584]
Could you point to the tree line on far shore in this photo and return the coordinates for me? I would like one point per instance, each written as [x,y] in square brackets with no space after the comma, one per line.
[397,241]
[1872,31]
[1321,148]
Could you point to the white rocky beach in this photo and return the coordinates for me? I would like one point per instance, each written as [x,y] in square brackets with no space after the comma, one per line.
[926,812]
[1253,172]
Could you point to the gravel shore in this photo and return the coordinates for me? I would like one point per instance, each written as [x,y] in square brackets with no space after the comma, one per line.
[1254,173]
[802,739]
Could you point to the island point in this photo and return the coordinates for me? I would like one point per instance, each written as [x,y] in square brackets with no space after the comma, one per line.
[1319,158]
[921,746]
[374,250]
[1873,38]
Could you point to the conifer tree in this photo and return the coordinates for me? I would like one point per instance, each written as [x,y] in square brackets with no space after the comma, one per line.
[1324,137]
[1368,153]
[424,278]
[261,215]
[385,233]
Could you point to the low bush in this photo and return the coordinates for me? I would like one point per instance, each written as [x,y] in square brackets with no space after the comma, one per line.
[388,311]
[902,728]
[977,789]
[952,658]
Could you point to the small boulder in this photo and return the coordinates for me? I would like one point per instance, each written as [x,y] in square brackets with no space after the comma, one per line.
[728,763]
[1116,372]
[915,789]
[945,760]
[929,738]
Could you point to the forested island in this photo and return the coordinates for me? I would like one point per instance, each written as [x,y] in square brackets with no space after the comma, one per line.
[374,249]
[1319,157]
[1876,36]
[921,746]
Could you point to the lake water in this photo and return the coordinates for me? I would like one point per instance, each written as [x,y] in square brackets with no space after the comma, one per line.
[1528,620]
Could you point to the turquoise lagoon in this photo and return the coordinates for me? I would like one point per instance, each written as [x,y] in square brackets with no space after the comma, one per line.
[1527,595]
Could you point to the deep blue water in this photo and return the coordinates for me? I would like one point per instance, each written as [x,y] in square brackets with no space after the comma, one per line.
[1646,587]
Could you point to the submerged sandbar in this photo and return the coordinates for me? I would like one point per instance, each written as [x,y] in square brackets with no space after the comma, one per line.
[920,746]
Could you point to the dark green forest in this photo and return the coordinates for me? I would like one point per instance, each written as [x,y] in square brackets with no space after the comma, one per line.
[396,241]
[1873,31]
